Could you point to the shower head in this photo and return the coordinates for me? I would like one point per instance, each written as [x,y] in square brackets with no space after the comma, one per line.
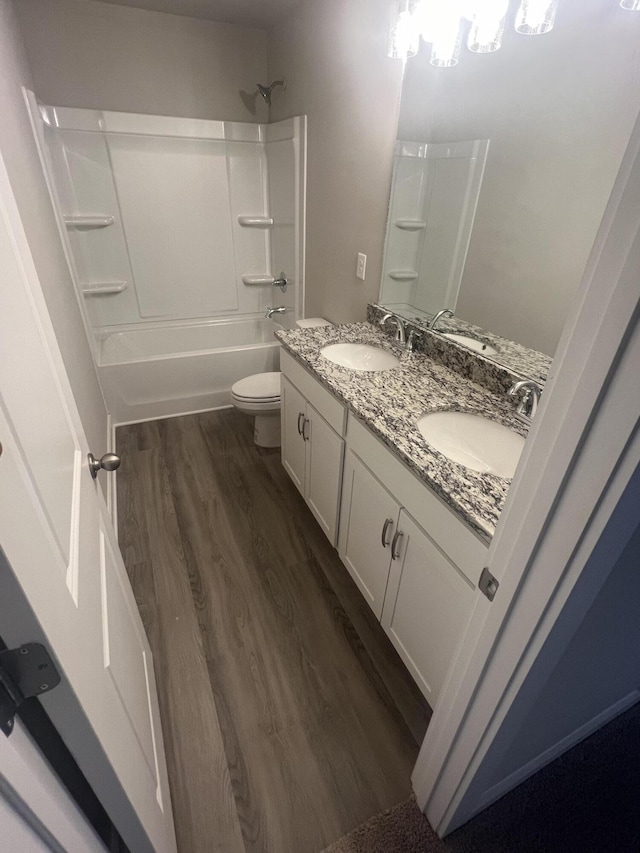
[266,91]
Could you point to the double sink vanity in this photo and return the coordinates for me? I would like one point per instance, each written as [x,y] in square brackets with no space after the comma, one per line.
[404,454]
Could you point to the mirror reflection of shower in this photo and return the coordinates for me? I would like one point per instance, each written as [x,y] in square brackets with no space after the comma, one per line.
[266,91]
[434,193]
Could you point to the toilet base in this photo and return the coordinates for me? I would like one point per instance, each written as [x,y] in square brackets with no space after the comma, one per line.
[266,430]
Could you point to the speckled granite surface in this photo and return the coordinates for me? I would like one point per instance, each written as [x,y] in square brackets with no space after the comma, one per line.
[512,359]
[390,402]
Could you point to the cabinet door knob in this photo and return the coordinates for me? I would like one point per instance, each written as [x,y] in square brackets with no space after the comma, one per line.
[385,527]
[395,550]
[305,424]
[300,426]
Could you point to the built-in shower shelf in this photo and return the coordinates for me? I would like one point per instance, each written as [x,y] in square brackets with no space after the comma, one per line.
[102,288]
[87,222]
[257,279]
[410,224]
[402,275]
[255,221]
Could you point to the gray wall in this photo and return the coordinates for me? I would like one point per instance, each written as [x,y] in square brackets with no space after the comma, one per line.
[20,155]
[558,109]
[599,668]
[100,56]
[333,55]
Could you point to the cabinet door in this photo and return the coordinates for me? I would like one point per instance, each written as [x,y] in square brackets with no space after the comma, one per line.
[325,451]
[368,512]
[293,413]
[427,607]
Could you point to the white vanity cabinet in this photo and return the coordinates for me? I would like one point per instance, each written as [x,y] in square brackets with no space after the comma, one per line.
[368,524]
[313,426]
[413,560]
[426,607]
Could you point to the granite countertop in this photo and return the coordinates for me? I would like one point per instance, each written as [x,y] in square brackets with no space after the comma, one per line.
[390,402]
[516,358]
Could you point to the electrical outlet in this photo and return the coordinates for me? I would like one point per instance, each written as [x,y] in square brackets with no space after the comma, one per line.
[361,266]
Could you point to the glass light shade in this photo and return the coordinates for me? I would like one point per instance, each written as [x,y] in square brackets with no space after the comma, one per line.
[535,17]
[436,18]
[404,36]
[632,5]
[445,49]
[440,22]
[487,26]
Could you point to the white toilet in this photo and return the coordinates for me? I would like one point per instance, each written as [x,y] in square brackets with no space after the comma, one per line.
[259,395]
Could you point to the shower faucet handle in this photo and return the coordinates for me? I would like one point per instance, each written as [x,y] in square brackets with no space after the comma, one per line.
[281,282]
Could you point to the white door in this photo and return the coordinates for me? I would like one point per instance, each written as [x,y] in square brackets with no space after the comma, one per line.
[325,449]
[367,527]
[58,539]
[293,413]
[427,607]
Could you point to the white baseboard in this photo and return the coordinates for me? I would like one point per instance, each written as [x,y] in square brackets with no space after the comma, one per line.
[165,417]
[556,750]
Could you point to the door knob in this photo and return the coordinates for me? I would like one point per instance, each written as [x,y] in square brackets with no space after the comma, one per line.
[108,462]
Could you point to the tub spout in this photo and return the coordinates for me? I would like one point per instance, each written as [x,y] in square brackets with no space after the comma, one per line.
[271,311]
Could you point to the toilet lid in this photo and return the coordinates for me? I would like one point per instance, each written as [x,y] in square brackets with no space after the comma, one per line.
[313,323]
[260,386]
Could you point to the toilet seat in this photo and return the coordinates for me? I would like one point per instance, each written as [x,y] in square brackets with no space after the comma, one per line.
[258,388]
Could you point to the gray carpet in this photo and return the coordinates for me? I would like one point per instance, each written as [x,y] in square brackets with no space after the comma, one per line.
[586,801]
[402,829]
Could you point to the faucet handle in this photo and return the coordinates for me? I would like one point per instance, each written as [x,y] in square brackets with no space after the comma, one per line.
[282,281]
[527,392]
[413,336]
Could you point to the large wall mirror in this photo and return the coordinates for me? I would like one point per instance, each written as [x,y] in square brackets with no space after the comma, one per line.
[434,194]
[557,110]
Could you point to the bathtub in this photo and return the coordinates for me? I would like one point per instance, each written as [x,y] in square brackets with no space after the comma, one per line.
[173,370]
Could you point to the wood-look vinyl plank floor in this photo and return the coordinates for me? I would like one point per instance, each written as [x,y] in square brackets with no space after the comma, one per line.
[288,717]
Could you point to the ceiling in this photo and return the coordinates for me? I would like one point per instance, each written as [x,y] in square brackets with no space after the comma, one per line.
[252,13]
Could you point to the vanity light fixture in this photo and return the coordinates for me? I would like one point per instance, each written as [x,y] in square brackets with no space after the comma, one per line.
[443,24]
[535,17]
[404,36]
[487,26]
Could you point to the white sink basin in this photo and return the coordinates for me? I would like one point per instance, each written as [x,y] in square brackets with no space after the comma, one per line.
[360,356]
[471,343]
[473,441]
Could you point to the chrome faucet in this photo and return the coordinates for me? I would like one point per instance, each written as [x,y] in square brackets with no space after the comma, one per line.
[445,312]
[271,311]
[527,392]
[400,336]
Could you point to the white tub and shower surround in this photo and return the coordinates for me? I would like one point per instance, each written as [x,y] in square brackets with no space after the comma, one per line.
[164,221]
[434,195]
[162,370]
